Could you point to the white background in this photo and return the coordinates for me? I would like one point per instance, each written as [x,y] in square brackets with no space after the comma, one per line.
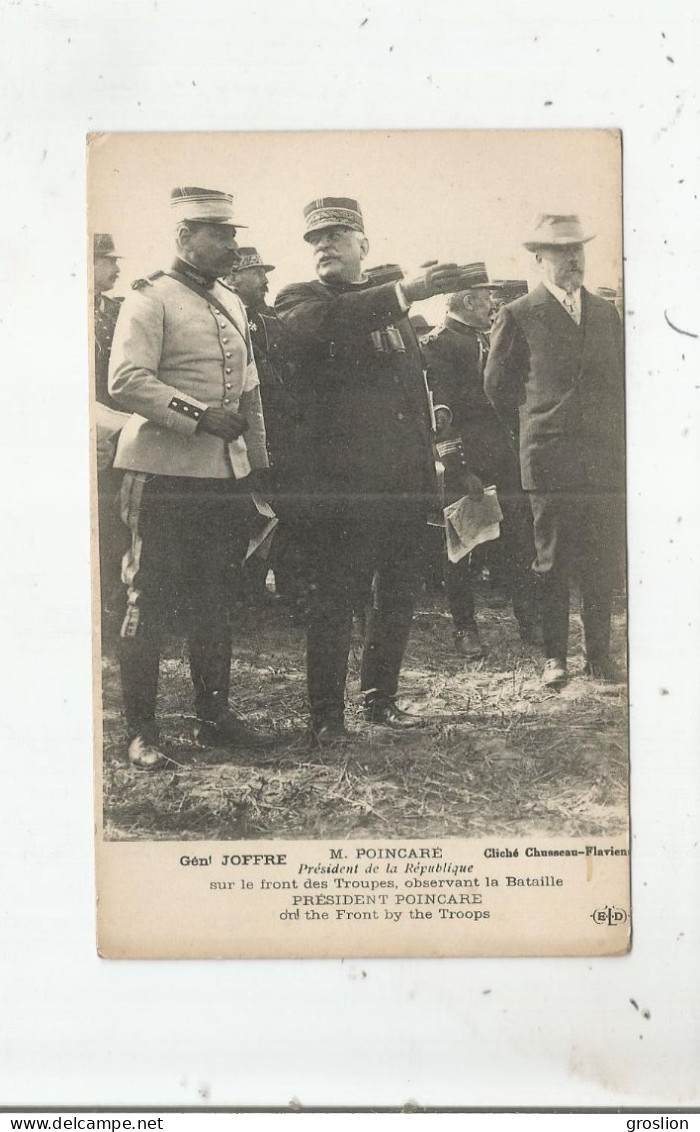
[76,1030]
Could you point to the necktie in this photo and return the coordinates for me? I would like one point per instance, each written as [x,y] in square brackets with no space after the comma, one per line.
[570,308]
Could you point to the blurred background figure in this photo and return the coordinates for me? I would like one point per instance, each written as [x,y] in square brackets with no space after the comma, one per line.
[272,350]
[113,540]
[507,291]
[556,364]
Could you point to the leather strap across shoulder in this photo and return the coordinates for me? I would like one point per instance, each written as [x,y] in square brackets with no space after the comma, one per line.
[204,294]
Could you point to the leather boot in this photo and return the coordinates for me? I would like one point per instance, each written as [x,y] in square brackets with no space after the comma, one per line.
[383,710]
[227,729]
[468,643]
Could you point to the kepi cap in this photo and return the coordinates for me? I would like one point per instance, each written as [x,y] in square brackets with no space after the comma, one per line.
[607,293]
[475,277]
[333,212]
[250,257]
[208,206]
[510,289]
[556,231]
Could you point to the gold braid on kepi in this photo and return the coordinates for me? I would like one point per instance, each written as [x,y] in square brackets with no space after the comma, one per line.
[332,212]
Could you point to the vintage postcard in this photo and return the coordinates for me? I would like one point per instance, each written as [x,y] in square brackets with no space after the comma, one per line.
[359,567]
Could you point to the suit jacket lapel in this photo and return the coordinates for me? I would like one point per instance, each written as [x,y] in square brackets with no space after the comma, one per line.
[591,324]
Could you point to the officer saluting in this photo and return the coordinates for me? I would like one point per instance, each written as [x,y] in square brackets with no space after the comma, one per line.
[182,360]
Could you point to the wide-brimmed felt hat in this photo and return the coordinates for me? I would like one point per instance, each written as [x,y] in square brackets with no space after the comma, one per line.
[332,212]
[103,244]
[250,257]
[208,206]
[556,231]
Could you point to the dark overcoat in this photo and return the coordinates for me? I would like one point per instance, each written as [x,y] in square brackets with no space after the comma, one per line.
[566,384]
[364,420]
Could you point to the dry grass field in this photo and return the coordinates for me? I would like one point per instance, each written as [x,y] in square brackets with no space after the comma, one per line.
[500,755]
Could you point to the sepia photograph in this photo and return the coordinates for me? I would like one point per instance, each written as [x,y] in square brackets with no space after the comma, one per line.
[331,678]
[360,451]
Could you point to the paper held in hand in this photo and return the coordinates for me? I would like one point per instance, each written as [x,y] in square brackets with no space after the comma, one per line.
[260,541]
[469,522]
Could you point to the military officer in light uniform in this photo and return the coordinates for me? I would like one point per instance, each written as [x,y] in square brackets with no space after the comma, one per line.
[182,362]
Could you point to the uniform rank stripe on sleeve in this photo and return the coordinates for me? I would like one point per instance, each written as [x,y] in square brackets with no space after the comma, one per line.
[184,407]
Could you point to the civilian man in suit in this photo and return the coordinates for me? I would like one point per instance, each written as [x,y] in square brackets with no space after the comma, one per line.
[455,354]
[368,472]
[556,363]
[182,363]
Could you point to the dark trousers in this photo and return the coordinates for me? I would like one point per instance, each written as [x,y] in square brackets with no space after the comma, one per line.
[578,536]
[355,562]
[185,535]
[515,560]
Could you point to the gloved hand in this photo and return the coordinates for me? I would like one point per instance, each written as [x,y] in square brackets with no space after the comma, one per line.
[259,482]
[473,487]
[222,423]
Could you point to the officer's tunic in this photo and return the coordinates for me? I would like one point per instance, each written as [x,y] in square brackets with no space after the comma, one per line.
[455,355]
[174,355]
[564,383]
[367,476]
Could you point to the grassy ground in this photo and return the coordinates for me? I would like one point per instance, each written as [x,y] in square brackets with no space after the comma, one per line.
[500,755]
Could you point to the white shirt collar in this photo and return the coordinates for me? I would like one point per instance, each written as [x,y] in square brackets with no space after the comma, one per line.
[560,295]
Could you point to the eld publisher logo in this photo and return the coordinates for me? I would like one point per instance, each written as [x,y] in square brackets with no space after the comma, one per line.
[609,917]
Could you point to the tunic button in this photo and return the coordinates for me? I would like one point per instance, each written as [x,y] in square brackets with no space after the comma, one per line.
[228,353]
[399,416]
[228,384]
[224,340]
[228,369]
[396,379]
[222,325]
[226,400]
